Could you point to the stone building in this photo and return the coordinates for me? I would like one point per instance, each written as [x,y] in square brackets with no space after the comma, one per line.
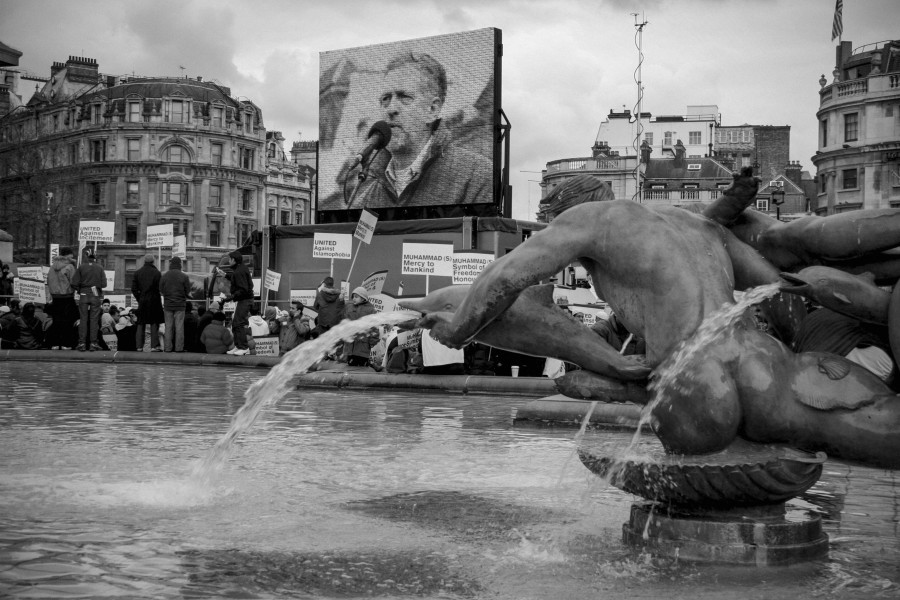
[136,151]
[289,185]
[858,157]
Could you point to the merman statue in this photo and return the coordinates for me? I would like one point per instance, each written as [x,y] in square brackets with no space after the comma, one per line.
[664,270]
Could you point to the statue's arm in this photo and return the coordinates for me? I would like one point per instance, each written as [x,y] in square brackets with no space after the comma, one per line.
[741,194]
[543,255]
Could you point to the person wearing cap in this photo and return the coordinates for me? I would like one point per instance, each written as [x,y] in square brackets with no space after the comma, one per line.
[89,281]
[62,310]
[329,305]
[242,294]
[145,289]
[356,352]
[175,288]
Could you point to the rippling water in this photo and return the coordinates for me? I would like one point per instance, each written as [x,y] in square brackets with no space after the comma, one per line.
[342,495]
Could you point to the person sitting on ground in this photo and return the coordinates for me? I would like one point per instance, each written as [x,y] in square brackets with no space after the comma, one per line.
[271,317]
[329,305]
[258,325]
[30,329]
[191,322]
[216,339]
[356,352]
[9,328]
[108,322]
[126,328]
[295,329]
[205,319]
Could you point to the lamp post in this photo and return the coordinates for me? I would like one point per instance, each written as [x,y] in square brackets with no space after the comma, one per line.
[48,216]
[778,200]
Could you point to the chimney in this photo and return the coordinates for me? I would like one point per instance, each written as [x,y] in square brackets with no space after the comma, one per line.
[792,172]
[600,149]
[679,155]
[82,69]
[56,68]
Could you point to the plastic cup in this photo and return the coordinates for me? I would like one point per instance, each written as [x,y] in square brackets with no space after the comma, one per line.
[515,371]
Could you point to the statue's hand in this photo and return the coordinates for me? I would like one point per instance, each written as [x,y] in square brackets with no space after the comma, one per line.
[440,325]
[634,367]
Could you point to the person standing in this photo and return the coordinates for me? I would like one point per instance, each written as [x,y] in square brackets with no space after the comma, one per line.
[356,352]
[329,305]
[242,294]
[6,285]
[145,289]
[175,288]
[89,281]
[63,309]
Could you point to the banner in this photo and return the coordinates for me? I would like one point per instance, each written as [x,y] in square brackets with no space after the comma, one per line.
[273,280]
[468,264]
[366,226]
[332,245]
[33,273]
[54,251]
[427,259]
[179,246]
[96,231]
[374,283]
[31,291]
[266,345]
[307,297]
[159,236]
[383,302]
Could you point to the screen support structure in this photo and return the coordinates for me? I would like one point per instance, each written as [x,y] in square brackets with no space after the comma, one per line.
[504,194]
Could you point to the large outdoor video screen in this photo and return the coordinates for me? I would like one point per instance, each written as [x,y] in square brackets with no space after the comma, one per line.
[434,102]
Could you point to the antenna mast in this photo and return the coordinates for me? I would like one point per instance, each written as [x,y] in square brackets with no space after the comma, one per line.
[638,109]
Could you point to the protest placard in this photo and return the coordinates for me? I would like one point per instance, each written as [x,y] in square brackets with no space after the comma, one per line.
[273,280]
[332,245]
[33,273]
[54,251]
[179,246]
[96,231]
[409,339]
[110,281]
[307,297]
[427,259]
[374,283]
[365,228]
[30,291]
[383,302]
[159,236]
[468,264]
[119,300]
[266,345]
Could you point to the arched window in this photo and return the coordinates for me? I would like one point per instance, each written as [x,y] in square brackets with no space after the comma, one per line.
[177,154]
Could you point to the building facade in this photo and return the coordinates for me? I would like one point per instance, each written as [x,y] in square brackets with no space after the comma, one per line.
[135,151]
[858,157]
[289,189]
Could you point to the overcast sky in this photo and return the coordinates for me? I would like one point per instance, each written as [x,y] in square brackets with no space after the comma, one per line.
[565,63]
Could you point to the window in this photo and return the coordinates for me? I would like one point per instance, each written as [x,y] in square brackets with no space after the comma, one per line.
[248,122]
[246,158]
[298,218]
[271,216]
[131,231]
[215,233]
[73,153]
[667,138]
[96,189]
[745,161]
[246,199]
[215,196]
[130,268]
[96,114]
[134,112]
[243,232]
[132,192]
[176,154]
[851,127]
[850,179]
[823,185]
[285,217]
[762,204]
[179,226]
[98,150]
[177,112]
[823,128]
[215,152]
[55,122]
[694,138]
[648,137]
[134,150]
[175,193]
[217,112]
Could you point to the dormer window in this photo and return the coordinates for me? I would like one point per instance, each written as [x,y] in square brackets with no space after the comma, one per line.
[218,116]
[178,111]
[134,111]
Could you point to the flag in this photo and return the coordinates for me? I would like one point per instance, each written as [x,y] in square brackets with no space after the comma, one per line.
[837,28]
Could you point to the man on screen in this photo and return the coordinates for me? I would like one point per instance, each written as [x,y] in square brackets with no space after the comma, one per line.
[420,166]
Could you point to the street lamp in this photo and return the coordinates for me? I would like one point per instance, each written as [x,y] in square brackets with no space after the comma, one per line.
[48,216]
[778,200]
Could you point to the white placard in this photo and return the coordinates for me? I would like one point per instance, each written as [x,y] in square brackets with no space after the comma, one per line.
[229,306]
[409,339]
[110,281]
[332,245]
[469,264]
[266,345]
[383,302]
[31,291]
[273,280]
[257,286]
[118,300]
[179,246]
[427,259]
[365,228]
[345,291]
[34,273]
[159,236]
[54,251]
[307,297]
[374,283]
[96,231]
